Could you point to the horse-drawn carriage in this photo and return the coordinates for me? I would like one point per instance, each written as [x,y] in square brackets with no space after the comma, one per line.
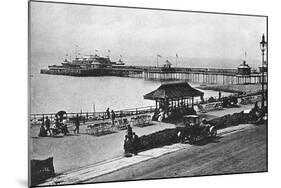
[194,130]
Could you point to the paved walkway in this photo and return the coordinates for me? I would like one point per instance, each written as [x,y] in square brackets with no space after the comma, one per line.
[90,172]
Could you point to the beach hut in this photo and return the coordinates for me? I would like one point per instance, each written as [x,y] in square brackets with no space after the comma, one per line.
[174,98]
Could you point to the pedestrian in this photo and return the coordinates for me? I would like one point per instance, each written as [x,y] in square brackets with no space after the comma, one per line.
[135,143]
[42,131]
[108,113]
[43,121]
[77,124]
[112,117]
[219,95]
[64,127]
[201,98]
[129,132]
[256,106]
[56,121]
[48,124]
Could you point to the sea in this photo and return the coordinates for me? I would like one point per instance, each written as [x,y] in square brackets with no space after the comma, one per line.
[52,93]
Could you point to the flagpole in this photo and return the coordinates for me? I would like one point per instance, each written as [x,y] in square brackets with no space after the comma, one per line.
[108,53]
[157,60]
[75,51]
[76,46]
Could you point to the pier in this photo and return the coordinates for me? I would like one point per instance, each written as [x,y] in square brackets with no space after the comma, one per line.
[199,75]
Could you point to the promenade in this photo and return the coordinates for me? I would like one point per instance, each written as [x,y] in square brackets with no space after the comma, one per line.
[76,151]
[108,169]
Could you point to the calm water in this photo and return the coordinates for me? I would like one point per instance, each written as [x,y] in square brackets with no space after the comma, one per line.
[51,93]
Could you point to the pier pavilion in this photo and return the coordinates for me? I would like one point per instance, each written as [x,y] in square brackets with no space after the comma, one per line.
[174,98]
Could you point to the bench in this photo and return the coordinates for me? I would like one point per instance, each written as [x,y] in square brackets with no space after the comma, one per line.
[121,124]
[141,121]
[99,129]
[203,108]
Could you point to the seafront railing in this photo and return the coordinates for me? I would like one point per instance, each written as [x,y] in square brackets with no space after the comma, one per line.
[97,116]
[93,116]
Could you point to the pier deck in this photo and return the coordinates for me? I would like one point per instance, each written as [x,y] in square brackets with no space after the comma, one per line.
[201,75]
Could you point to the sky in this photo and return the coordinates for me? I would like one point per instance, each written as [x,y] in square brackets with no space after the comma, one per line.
[57,28]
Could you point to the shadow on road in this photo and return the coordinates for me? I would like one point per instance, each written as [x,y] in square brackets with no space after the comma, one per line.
[208,141]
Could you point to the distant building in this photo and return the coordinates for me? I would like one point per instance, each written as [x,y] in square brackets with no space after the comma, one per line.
[167,64]
[96,64]
[244,69]
[264,68]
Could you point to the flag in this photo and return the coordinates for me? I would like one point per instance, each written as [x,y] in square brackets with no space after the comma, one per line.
[109,51]
[96,50]
[177,55]
[120,55]
[159,55]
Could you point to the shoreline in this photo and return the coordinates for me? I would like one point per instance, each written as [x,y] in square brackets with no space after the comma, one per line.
[248,89]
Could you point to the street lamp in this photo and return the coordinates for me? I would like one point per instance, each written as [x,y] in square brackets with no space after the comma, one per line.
[263,45]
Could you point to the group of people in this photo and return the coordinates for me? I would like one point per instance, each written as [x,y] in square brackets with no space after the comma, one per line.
[111,115]
[131,142]
[60,126]
[45,127]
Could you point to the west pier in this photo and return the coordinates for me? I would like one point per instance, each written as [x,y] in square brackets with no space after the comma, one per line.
[240,75]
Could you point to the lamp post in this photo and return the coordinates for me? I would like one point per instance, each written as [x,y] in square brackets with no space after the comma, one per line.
[263,45]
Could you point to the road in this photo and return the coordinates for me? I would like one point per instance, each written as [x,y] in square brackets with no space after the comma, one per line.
[244,151]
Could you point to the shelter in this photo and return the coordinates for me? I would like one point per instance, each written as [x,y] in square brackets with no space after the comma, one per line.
[174,98]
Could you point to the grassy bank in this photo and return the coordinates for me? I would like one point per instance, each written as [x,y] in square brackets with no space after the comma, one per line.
[248,89]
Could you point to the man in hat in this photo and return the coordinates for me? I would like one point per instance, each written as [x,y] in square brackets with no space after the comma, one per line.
[108,113]
[129,132]
[48,124]
[112,117]
[135,143]
[77,124]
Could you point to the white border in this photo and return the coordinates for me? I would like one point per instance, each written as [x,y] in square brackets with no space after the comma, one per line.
[13,52]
